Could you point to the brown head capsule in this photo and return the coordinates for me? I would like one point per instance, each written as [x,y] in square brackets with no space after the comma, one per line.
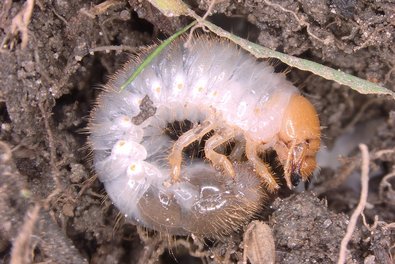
[298,140]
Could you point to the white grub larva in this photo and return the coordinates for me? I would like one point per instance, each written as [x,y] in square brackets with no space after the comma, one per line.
[214,93]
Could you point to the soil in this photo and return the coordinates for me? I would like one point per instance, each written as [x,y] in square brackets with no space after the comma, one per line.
[52,208]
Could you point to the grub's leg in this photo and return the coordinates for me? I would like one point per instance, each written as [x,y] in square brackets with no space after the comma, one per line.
[238,150]
[175,157]
[261,168]
[217,159]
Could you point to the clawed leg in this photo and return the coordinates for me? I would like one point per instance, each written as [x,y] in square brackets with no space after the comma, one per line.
[219,160]
[261,168]
[238,150]
[175,157]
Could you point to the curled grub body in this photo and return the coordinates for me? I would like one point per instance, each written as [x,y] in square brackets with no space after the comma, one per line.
[224,95]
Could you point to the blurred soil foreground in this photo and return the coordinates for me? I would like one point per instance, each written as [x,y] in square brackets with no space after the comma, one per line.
[54,56]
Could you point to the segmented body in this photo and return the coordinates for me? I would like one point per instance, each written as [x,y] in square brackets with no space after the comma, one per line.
[212,81]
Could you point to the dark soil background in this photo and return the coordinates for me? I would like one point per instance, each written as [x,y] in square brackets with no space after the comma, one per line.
[53,210]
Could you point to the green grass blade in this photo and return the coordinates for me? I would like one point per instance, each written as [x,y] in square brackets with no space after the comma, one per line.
[153,55]
[360,85]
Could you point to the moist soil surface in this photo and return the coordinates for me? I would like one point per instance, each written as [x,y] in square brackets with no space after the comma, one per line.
[54,210]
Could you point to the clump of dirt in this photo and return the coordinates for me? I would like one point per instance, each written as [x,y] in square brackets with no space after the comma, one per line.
[47,187]
[309,225]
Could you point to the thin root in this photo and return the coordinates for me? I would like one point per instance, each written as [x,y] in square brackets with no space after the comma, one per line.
[199,24]
[21,250]
[52,148]
[386,187]
[100,8]
[361,204]
[301,21]
[19,25]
